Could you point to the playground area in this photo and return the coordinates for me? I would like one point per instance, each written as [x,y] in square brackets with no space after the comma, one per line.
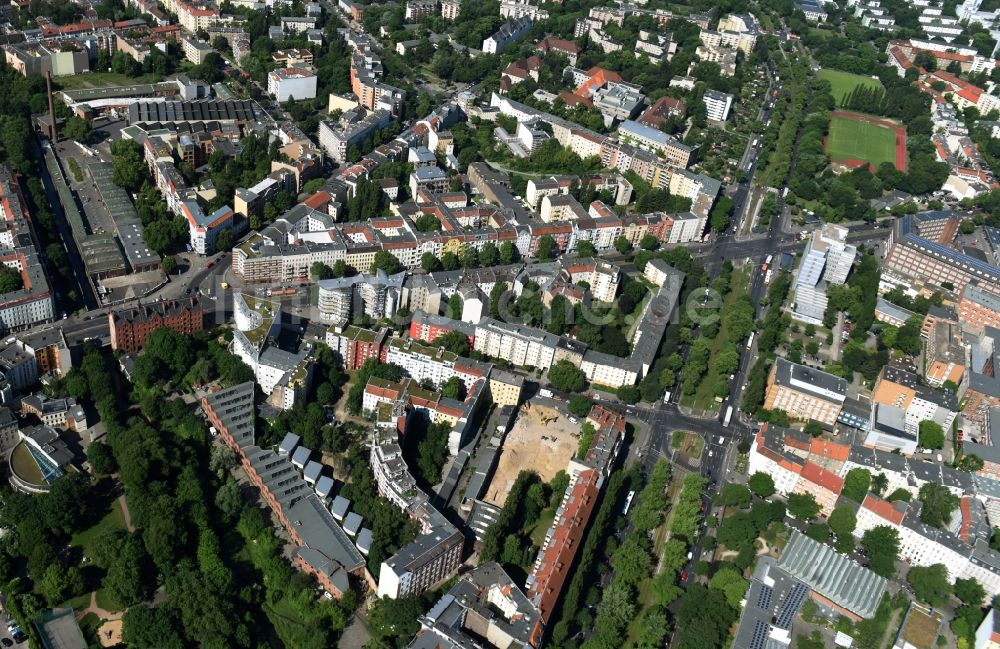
[542,440]
[110,633]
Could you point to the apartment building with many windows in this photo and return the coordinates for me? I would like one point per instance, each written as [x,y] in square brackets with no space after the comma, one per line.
[805,393]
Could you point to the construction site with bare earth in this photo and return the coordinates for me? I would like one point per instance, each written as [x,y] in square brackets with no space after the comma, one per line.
[542,440]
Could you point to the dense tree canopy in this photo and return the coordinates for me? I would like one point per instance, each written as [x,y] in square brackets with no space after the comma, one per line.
[938,504]
[881,543]
[930,584]
[565,376]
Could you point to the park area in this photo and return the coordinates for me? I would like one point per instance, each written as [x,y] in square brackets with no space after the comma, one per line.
[542,440]
[855,139]
[842,83]
[714,356]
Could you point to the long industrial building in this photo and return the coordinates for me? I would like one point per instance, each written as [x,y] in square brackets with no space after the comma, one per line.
[241,111]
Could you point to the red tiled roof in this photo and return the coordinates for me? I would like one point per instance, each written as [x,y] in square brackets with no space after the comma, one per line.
[901,59]
[788,465]
[559,45]
[598,77]
[77,27]
[603,418]
[817,475]
[951,56]
[318,199]
[966,509]
[794,442]
[572,100]
[385,393]
[883,508]
[830,450]
[553,567]
[970,94]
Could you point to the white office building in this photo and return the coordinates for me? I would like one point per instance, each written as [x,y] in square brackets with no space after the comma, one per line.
[827,260]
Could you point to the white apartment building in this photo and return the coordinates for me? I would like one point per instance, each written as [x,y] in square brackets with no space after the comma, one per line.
[509,32]
[520,346]
[389,470]
[655,47]
[939,26]
[560,207]
[297,24]
[204,229]
[520,9]
[378,296]
[783,470]
[922,545]
[734,31]
[418,9]
[284,376]
[657,271]
[195,49]
[434,363]
[717,105]
[612,371]
[686,227]
[285,83]
[450,9]
[602,276]
[33,309]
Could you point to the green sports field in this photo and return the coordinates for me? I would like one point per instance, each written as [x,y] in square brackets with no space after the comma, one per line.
[853,140]
[842,83]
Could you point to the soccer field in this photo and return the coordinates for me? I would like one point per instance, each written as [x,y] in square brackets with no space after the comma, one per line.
[841,83]
[854,140]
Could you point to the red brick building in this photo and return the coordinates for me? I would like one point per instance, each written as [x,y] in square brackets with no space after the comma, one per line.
[427,327]
[356,345]
[130,327]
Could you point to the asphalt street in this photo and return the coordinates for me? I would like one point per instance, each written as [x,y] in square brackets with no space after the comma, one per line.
[93,324]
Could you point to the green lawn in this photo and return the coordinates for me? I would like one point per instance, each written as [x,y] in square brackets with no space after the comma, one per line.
[78,602]
[99,79]
[24,466]
[542,526]
[842,83]
[113,520]
[89,625]
[853,140]
[105,601]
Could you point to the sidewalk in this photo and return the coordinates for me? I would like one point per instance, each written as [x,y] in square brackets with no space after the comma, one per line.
[697,413]
[126,514]
[98,611]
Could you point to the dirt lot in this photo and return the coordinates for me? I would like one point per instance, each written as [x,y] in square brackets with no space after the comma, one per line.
[542,440]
